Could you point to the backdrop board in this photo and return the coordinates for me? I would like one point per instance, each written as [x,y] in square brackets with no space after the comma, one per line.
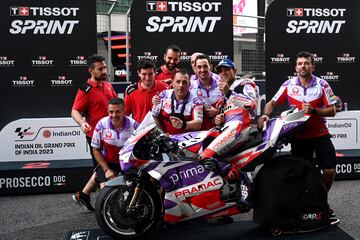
[329,29]
[43,53]
[43,50]
[195,26]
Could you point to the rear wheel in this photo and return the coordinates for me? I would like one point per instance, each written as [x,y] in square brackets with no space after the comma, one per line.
[118,220]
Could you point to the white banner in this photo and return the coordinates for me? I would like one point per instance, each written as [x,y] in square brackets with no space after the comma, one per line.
[246,8]
[37,139]
[344,128]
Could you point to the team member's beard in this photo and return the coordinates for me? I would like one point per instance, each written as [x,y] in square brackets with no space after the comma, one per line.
[103,78]
[170,67]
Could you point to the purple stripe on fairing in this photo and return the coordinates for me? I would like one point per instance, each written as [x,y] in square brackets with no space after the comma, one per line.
[236,117]
[260,147]
[223,169]
[183,176]
[170,163]
[289,127]
[127,149]
[125,166]
[151,166]
[169,204]
[181,137]
[269,128]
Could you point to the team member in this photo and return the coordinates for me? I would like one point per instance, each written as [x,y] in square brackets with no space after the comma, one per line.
[192,62]
[235,121]
[138,95]
[316,98]
[227,71]
[205,86]
[178,111]
[110,134]
[91,100]
[167,71]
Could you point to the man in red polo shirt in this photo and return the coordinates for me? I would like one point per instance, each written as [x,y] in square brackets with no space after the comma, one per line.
[91,101]
[138,95]
[167,71]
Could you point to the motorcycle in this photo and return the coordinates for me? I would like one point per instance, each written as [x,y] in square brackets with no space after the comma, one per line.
[163,180]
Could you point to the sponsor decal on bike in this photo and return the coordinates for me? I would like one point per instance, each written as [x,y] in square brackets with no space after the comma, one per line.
[207,186]
[188,173]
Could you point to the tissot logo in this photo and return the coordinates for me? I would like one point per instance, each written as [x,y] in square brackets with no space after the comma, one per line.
[217,56]
[25,25]
[315,12]
[330,76]
[78,61]
[5,61]
[22,132]
[19,11]
[184,56]
[156,6]
[317,58]
[43,11]
[42,61]
[295,12]
[174,6]
[148,55]
[280,58]
[182,23]
[317,26]
[23,81]
[345,58]
[61,81]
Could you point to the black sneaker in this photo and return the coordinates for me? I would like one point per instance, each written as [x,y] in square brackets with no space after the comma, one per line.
[330,212]
[84,200]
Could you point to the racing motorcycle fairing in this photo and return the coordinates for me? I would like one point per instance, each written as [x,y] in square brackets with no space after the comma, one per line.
[191,190]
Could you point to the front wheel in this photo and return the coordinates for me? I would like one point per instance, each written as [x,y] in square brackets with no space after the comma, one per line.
[114,216]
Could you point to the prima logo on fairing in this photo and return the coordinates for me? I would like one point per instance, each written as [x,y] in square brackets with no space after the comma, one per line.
[42,26]
[345,58]
[182,23]
[315,26]
[188,173]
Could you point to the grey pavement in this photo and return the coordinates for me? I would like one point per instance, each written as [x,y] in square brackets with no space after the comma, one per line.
[52,216]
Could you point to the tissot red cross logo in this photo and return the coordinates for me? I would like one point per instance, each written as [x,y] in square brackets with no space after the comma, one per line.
[299,12]
[24,11]
[161,6]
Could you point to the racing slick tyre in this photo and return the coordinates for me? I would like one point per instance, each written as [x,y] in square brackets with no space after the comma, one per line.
[118,220]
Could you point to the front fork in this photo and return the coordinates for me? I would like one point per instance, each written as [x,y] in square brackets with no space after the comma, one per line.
[135,196]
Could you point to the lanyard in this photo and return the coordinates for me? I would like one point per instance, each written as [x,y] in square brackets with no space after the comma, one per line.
[173,99]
